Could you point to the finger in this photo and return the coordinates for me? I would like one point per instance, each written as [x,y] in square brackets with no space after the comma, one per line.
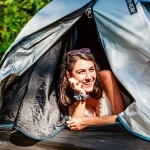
[74,128]
[73,85]
[71,126]
[72,80]
[69,122]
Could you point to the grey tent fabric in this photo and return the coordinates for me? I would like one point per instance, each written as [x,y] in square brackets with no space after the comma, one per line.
[29,46]
[125,38]
[31,103]
[30,72]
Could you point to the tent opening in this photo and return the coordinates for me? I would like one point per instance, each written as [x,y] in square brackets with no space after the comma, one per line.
[87,36]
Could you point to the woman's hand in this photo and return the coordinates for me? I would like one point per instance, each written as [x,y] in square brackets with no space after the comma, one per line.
[76,86]
[79,109]
[83,122]
[77,123]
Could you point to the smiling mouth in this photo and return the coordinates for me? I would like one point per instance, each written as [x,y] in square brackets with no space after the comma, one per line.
[88,84]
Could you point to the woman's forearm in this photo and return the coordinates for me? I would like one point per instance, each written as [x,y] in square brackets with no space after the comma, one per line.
[91,121]
[79,109]
[83,122]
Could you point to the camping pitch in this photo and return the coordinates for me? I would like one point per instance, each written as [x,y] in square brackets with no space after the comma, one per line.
[117,31]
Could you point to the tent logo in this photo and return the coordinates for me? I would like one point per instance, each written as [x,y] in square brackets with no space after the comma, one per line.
[131,6]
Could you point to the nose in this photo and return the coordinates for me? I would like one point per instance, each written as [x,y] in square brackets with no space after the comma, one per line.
[88,76]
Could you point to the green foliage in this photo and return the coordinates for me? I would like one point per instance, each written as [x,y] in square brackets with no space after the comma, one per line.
[14,15]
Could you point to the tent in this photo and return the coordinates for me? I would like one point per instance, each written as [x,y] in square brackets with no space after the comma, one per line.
[117,32]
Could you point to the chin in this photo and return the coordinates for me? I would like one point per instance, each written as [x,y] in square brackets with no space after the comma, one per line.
[88,90]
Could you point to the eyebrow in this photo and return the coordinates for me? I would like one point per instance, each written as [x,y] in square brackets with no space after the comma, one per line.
[84,69]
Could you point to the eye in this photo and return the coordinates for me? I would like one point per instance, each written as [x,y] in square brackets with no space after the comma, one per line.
[92,69]
[81,72]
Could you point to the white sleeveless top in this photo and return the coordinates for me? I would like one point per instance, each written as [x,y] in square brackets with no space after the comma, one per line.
[105,107]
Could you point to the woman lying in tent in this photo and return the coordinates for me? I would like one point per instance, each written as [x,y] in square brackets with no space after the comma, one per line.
[93,97]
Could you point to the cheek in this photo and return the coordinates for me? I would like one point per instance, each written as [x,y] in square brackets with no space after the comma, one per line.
[79,77]
[94,75]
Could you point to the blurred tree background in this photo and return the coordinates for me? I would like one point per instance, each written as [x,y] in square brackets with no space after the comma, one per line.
[14,14]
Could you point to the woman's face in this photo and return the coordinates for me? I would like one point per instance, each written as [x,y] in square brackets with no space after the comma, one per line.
[84,72]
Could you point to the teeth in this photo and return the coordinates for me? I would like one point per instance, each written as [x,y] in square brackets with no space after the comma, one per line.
[88,83]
